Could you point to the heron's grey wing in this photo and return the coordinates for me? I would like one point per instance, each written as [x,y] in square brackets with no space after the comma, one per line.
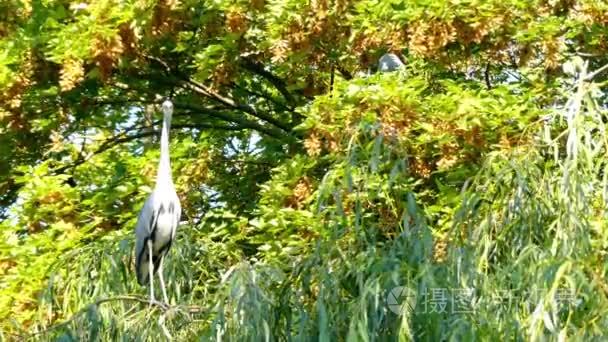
[143,229]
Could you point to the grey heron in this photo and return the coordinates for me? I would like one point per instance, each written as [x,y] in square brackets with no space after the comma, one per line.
[389,62]
[159,218]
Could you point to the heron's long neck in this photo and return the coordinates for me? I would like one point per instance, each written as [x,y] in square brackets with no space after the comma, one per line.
[164,166]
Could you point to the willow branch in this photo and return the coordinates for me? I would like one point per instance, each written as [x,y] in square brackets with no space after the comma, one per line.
[162,306]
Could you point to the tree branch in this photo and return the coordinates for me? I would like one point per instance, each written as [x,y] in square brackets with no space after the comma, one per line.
[210,111]
[268,97]
[345,73]
[273,132]
[276,81]
[206,91]
[122,138]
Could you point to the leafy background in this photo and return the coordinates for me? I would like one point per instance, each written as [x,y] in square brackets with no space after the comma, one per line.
[311,186]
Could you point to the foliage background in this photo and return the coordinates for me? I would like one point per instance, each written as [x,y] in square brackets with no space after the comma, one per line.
[310,187]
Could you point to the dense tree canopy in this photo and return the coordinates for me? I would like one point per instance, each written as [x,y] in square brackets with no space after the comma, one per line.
[312,186]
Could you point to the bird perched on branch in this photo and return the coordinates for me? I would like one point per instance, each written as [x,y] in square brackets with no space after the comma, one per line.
[389,62]
[159,218]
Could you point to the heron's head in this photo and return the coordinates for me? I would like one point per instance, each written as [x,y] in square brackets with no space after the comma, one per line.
[167,107]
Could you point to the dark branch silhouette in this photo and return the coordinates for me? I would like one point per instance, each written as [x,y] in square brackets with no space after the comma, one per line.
[276,81]
[123,138]
[227,101]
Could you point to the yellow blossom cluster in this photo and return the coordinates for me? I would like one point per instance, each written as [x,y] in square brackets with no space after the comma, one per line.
[72,72]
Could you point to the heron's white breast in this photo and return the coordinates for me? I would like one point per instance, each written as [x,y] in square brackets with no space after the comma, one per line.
[164,227]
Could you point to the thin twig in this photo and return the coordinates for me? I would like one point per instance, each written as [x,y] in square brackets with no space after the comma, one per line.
[331,80]
[487,76]
[586,54]
[596,72]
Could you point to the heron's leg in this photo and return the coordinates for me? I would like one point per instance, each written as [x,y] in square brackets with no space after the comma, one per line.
[150,271]
[162,280]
